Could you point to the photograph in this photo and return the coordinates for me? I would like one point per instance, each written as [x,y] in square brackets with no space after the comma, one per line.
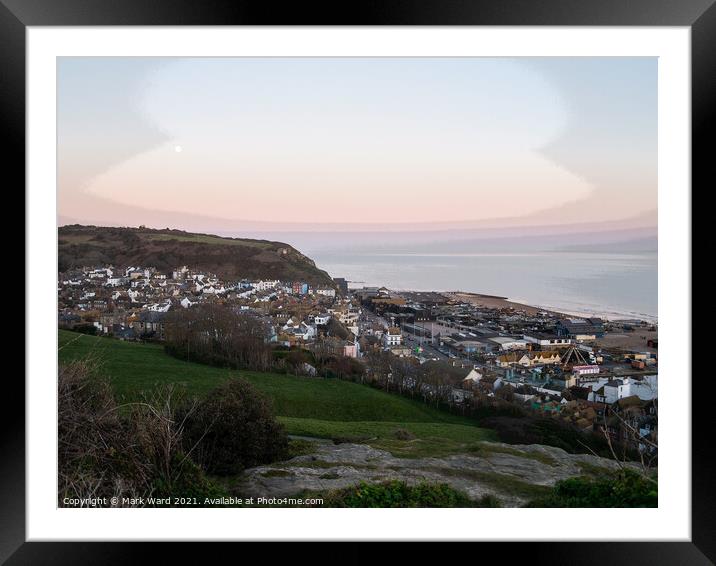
[357,282]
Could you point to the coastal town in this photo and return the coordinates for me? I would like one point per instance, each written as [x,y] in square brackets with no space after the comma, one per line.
[358,282]
[592,373]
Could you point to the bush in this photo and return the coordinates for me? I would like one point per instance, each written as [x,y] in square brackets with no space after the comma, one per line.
[623,489]
[85,328]
[403,434]
[549,431]
[90,434]
[399,494]
[191,483]
[234,428]
[108,450]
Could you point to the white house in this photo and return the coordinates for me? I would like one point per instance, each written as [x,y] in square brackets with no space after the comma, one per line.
[265,285]
[392,337]
[326,292]
[213,290]
[322,319]
[180,273]
[349,317]
[115,281]
[547,340]
[611,390]
[474,376]
[585,370]
[160,307]
[303,331]
[186,303]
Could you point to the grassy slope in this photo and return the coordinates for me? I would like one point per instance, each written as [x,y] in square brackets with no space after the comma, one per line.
[307,406]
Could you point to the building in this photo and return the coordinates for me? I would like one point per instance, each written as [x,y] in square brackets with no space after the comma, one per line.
[326,292]
[265,285]
[611,390]
[342,285]
[472,377]
[392,337]
[299,288]
[322,319]
[351,349]
[580,328]
[547,340]
[401,351]
[149,323]
[544,357]
[585,370]
[513,358]
[508,343]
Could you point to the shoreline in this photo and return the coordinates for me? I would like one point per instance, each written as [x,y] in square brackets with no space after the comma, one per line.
[493,301]
[604,314]
[498,301]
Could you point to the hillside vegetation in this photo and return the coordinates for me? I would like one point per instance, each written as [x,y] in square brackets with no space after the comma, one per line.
[355,445]
[325,408]
[231,258]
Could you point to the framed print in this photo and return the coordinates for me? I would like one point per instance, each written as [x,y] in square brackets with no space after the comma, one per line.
[400,278]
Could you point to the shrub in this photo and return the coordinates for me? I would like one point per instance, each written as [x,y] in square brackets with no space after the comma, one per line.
[90,434]
[85,328]
[549,431]
[622,489]
[399,494]
[190,483]
[403,434]
[108,450]
[234,428]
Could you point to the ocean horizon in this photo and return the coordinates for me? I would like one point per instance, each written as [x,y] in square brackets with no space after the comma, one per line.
[610,285]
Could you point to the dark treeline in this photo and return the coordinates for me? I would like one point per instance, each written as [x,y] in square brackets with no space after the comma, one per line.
[218,336]
[215,335]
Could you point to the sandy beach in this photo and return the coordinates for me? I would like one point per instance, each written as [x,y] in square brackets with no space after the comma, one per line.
[493,302]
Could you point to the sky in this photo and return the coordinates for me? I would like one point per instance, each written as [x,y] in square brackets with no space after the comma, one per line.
[231,144]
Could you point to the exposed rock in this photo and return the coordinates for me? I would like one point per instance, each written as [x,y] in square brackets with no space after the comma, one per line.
[512,473]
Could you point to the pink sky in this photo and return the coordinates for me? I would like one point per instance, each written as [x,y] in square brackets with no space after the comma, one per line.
[235,144]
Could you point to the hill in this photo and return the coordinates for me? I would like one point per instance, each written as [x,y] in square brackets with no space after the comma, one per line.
[231,258]
[327,408]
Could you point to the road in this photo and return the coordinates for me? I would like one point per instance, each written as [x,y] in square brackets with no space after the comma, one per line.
[410,340]
[429,351]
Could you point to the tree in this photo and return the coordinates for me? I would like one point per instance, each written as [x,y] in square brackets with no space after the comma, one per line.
[218,335]
[234,428]
[296,360]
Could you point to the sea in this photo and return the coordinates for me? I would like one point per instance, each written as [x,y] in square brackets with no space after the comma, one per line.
[611,281]
[611,285]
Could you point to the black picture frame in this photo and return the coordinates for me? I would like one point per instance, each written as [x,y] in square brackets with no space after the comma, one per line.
[17,15]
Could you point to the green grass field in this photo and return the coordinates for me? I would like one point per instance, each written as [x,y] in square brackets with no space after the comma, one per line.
[325,408]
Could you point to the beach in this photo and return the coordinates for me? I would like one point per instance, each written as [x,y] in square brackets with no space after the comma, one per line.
[492,302]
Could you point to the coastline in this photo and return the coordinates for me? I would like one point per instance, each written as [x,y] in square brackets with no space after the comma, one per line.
[502,302]
[605,314]
[493,301]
